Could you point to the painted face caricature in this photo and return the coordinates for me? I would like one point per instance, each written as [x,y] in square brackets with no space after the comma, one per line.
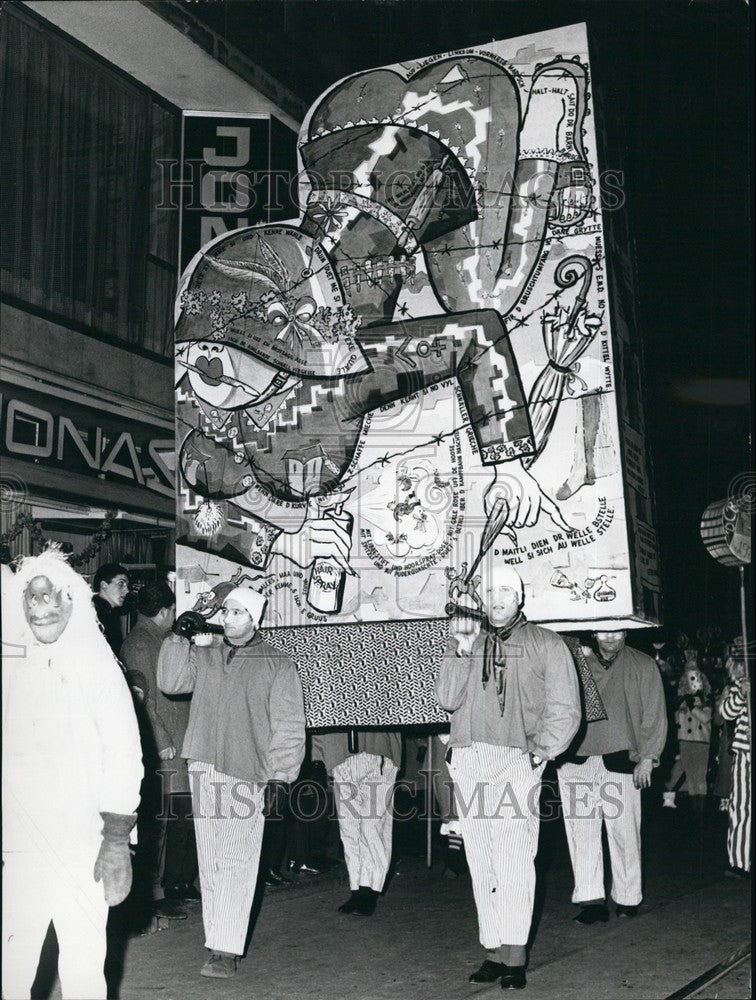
[255,321]
[47,610]
[228,378]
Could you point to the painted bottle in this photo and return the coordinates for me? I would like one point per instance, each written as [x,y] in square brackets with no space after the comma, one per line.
[325,588]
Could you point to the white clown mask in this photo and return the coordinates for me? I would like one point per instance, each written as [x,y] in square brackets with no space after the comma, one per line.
[47,609]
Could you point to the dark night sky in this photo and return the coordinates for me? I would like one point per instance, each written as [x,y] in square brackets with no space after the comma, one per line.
[679,75]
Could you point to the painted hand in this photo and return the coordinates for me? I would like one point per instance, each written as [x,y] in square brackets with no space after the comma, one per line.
[521,499]
[571,204]
[320,537]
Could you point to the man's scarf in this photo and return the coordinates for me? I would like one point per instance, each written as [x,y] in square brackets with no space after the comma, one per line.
[606,662]
[495,657]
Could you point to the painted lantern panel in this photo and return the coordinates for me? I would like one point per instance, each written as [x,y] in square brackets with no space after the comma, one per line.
[414,378]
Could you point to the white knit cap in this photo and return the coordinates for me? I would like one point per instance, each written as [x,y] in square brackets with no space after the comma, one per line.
[501,575]
[250,599]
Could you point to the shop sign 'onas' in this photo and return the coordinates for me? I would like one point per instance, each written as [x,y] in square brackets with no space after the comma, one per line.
[51,431]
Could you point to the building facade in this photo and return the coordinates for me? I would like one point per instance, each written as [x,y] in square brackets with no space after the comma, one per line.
[128,144]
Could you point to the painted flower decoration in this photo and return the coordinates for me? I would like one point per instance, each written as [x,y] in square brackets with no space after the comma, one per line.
[328,214]
[193,302]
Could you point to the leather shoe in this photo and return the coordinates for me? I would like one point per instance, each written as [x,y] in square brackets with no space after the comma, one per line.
[219,966]
[513,978]
[361,903]
[739,873]
[302,868]
[626,911]
[594,913]
[275,879]
[489,972]
[182,892]
[351,904]
[366,902]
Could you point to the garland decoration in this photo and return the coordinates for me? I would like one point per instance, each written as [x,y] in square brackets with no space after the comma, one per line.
[26,521]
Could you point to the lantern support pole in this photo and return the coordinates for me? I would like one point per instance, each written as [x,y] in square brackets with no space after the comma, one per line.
[744,635]
[429,806]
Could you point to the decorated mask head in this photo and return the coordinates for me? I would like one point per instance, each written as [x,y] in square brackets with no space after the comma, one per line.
[50,604]
[694,681]
[47,609]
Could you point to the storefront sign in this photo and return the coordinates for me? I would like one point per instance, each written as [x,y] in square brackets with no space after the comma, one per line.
[237,170]
[56,432]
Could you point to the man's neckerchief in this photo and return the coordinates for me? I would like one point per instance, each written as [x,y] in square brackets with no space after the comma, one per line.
[235,647]
[495,657]
[606,663]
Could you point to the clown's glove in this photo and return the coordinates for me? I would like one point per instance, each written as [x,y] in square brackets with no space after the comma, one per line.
[113,864]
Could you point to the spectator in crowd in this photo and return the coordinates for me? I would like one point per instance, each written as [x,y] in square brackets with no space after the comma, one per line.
[443,795]
[245,740]
[513,690]
[174,853]
[723,734]
[278,821]
[601,778]
[309,830]
[111,588]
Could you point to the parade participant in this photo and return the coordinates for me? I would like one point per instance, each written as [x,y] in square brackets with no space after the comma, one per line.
[111,588]
[363,785]
[735,707]
[513,690]
[72,765]
[245,738]
[693,722]
[601,780]
[172,844]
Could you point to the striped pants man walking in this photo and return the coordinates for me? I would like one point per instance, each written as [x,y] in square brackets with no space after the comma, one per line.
[228,823]
[363,789]
[497,791]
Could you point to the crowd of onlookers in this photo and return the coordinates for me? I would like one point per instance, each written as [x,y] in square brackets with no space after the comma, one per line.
[707,755]
[694,669]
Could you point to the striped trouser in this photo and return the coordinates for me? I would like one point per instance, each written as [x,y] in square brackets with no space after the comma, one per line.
[497,794]
[739,826]
[591,795]
[363,787]
[228,825]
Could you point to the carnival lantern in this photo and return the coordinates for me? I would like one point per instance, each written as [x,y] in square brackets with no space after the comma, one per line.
[726,533]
